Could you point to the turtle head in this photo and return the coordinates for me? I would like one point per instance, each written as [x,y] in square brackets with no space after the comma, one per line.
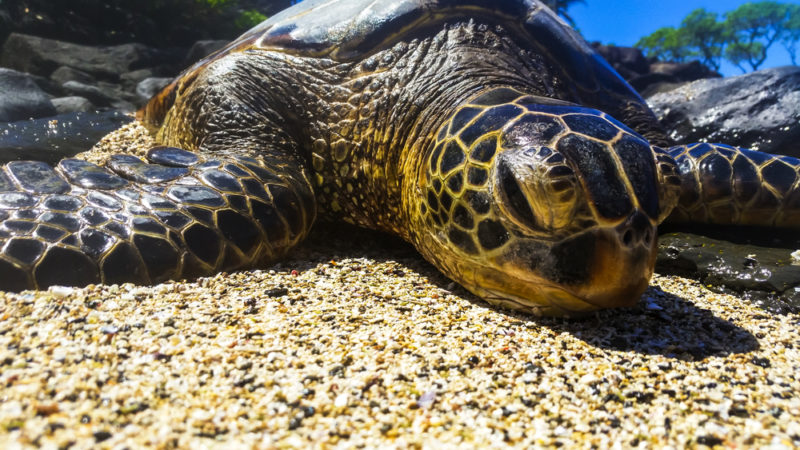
[542,205]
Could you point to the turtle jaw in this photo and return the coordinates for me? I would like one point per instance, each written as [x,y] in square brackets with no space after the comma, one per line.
[608,267]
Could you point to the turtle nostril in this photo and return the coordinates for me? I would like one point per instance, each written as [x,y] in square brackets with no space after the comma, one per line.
[636,230]
[627,238]
[648,237]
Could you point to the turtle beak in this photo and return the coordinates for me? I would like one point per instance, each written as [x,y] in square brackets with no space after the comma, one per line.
[603,267]
[621,263]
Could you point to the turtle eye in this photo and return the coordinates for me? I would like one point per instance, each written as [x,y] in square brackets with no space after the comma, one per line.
[515,200]
[537,189]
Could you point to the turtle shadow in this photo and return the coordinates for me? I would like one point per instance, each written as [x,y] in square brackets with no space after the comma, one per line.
[660,324]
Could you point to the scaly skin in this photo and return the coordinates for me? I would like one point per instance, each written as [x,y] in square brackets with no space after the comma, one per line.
[467,143]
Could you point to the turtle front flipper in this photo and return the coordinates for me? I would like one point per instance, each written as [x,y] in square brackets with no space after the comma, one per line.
[178,215]
[728,185]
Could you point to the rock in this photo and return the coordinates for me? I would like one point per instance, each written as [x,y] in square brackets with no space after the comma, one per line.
[43,56]
[648,75]
[201,49]
[93,93]
[49,86]
[755,265]
[66,73]
[150,87]
[694,70]
[624,59]
[103,95]
[54,138]
[72,104]
[759,110]
[130,80]
[22,98]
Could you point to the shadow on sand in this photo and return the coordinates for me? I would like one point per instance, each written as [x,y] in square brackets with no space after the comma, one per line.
[662,323]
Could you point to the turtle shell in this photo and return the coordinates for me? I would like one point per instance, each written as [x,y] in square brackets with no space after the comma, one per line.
[349,30]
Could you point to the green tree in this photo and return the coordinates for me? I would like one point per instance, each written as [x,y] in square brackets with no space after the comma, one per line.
[705,36]
[753,28]
[791,32]
[667,43]
[560,7]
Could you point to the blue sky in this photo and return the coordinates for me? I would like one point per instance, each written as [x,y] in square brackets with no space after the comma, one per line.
[623,22]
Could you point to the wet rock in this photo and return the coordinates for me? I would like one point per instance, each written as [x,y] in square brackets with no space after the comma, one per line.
[102,95]
[22,98]
[754,264]
[690,71]
[648,75]
[43,56]
[201,49]
[628,61]
[53,138]
[130,80]
[66,73]
[72,104]
[759,110]
[93,93]
[664,76]
[150,87]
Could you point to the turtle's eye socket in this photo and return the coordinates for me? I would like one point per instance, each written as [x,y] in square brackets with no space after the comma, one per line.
[536,188]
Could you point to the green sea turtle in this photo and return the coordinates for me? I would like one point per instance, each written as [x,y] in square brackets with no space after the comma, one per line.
[486,133]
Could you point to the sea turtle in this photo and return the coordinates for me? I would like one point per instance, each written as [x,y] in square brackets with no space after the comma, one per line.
[485,132]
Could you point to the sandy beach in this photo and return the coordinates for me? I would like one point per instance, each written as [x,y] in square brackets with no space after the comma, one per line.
[356,341]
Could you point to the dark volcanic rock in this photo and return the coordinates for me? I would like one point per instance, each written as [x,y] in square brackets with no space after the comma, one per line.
[648,75]
[54,138]
[41,56]
[66,73]
[72,104]
[22,98]
[690,71]
[93,93]
[201,49]
[759,110]
[150,87]
[758,264]
[628,61]
[130,80]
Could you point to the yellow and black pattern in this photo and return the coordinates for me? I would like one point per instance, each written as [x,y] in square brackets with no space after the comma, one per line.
[483,132]
[531,156]
[517,191]
[178,215]
[728,185]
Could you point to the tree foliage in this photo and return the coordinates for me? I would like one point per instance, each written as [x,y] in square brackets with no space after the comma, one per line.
[744,36]
[791,34]
[754,27]
[704,36]
[666,43]
[560,7]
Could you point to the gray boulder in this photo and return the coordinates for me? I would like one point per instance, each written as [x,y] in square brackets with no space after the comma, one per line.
[759,110]
[201,49]
[22,98]
[130,80]
[42,57]
[66,73]
[150,87]
[72,104]
[93,93]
